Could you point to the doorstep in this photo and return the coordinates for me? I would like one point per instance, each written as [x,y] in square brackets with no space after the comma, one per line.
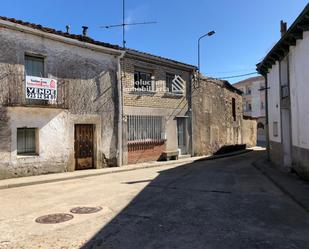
[56,177]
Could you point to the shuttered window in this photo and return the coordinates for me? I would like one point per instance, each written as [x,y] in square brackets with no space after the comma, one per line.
[34,66]
[26,141]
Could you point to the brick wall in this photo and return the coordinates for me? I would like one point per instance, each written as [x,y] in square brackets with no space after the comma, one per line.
[160,98]
[138,153]
[157,103]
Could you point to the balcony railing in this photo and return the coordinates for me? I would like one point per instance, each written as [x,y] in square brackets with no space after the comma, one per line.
[13,93]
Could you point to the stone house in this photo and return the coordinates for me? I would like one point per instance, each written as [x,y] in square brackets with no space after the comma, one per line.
[285,69]
[218,117]
[156,108]
[67,117]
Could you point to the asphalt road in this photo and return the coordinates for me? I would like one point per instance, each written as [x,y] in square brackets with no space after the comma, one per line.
[224,203]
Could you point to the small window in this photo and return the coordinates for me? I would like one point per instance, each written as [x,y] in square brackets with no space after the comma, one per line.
[169,82]
[262,105]
[26,141]
[250,107]
[234,108]
[143,81]
[34,66]
[248,90]
[275,129]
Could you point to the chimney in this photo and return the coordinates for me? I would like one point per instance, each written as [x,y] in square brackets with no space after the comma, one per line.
[283,28]
[67,27]
[85,29]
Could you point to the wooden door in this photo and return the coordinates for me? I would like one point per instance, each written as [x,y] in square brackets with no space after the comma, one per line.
[84,146]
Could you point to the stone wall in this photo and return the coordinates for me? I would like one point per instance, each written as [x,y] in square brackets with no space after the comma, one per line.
[213,122]
[88,81]
[249,131]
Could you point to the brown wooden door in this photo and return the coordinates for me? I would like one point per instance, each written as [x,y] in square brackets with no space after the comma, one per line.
[83,146]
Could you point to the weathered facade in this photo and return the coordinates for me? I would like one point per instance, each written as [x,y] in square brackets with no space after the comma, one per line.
[156,118]
[285,69]
[39,136]
[217,116]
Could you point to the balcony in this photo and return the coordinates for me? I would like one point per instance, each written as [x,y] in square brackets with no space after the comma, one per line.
[13,92]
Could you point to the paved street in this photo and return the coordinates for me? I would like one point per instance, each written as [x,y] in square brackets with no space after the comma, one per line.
[224,203]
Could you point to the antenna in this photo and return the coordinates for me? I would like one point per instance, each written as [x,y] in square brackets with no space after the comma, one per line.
[124,24]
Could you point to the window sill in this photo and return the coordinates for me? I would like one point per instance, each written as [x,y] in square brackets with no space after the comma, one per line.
[143,92]
[177,95]
[21,156]
[146,141]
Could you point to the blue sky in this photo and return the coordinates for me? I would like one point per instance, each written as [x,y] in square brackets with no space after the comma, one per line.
[245,30]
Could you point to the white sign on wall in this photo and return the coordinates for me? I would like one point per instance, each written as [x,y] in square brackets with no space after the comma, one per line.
[41,88]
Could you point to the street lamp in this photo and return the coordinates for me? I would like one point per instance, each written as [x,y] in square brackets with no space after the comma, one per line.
[199,39]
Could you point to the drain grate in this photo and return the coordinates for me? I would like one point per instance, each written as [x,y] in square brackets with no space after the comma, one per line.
[54,218]
[85,210]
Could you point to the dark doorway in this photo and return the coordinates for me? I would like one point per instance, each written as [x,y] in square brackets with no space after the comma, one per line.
[84,146]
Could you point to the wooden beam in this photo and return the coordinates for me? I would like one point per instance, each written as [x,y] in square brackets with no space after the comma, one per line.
[304,27]
[274,57]
[297,36]
[279,53]
[290,41]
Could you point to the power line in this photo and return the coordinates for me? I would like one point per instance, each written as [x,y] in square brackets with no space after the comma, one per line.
[237,76]
[235,71]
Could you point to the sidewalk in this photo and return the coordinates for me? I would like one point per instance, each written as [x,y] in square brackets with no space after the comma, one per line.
[289,183]
[39,179]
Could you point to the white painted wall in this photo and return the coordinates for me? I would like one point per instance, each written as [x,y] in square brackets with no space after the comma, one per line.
[299,86]
[274,102]
[53,140]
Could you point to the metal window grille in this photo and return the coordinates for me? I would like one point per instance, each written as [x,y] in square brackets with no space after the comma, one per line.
[26,141]
[145,128]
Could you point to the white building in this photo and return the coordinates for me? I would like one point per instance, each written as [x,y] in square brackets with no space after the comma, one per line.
[254,102]
[286,70]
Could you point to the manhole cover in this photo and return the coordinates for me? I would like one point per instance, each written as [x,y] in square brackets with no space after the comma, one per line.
[85,210]
[54,218]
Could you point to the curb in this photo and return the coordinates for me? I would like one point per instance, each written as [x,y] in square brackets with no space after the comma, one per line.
[115,170]
[96,173]
[236,153]
[272,179]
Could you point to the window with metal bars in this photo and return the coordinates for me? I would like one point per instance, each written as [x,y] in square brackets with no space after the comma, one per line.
[26,141]
[145,128]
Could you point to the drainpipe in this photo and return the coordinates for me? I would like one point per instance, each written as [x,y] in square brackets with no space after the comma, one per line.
[120,109]
[191,113]
[266,115]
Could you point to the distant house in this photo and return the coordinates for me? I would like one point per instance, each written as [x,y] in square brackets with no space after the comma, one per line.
[254,102]
[285,68]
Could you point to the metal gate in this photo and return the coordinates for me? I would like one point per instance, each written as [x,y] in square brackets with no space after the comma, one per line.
[84,146]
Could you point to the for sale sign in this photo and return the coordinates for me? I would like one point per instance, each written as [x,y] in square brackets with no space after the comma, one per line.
[41,88]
